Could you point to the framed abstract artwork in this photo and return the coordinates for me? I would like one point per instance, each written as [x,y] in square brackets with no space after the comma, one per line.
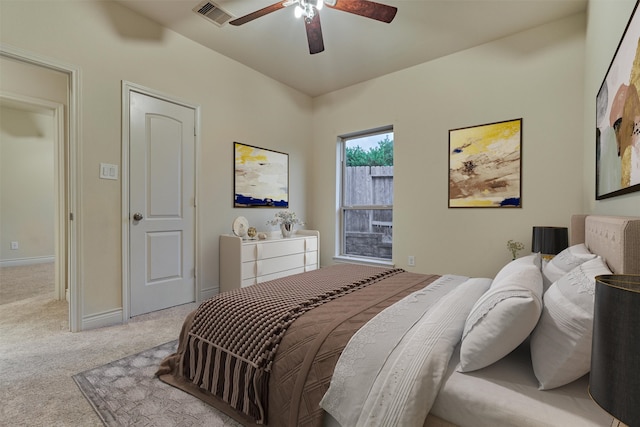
[485,165]
[618,118]
[261,177]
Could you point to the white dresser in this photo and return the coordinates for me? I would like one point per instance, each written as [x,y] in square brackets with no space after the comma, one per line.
[247,262]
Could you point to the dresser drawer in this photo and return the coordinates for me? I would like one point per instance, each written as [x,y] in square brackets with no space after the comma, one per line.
[279,248]
[273,249]
[310,244]
[263,267]
[311,258]
[248,282]
[248,270]
[283,263]
[279,274]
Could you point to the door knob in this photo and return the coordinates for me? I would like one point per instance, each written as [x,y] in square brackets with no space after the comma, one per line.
[137,216]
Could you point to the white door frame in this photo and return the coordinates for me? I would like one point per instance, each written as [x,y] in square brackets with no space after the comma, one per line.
[60,224]
[73,249]
[127,88]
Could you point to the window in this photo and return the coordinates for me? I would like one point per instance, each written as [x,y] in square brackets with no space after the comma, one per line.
[366,199]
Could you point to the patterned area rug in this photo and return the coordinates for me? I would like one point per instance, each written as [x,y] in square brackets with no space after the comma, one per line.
[127,393]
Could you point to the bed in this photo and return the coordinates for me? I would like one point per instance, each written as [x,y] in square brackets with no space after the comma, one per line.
[359,345]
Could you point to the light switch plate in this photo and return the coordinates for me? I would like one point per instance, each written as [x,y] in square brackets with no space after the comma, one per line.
[108,171]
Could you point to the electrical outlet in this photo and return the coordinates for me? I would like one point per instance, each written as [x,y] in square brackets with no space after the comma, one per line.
[14,246]
[411,261]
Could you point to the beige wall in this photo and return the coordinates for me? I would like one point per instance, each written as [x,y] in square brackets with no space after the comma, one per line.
[31,81]
[26,185]
[607,20]
[109,44]
[536,75]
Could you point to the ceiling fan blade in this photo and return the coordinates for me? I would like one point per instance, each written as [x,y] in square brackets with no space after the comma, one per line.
[258,13]
[314,34]
[368,9]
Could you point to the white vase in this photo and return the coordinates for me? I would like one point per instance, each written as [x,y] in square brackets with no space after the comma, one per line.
[287,230]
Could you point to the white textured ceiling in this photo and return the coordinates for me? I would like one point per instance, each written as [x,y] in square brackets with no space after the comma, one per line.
[356,48]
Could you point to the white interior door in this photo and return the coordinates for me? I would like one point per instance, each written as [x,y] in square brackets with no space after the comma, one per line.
[162,204]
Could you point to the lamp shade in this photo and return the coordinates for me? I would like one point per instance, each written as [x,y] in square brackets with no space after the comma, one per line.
[614,383]
[549,240]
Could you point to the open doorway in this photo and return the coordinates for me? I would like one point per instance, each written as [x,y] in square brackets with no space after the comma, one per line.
[30,137]
[40,101]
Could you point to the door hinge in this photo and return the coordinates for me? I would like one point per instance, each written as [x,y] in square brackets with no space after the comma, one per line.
[70,216]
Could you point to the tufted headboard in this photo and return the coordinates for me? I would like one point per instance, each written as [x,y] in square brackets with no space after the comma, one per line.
[614,238]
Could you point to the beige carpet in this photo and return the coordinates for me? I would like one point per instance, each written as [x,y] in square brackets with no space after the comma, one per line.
[24,281]
[38,355]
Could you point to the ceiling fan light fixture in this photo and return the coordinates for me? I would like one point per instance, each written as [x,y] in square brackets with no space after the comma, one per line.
[319,4]
[307,9]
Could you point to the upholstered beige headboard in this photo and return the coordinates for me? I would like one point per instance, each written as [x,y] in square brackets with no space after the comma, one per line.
[614,238]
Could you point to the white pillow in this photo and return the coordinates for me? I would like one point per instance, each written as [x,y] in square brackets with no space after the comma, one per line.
[561,343]
[564,262]
[503,317]
[516,264]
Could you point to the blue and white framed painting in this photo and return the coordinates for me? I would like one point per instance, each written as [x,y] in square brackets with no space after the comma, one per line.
[261,177]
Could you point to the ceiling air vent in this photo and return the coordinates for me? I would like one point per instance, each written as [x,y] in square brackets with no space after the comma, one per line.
[213,13]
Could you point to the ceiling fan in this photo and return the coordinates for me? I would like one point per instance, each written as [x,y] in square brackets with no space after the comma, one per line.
[308,9]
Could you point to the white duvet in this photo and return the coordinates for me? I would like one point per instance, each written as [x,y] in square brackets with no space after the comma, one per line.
[390,372]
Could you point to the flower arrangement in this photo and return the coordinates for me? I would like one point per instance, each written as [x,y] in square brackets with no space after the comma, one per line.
[285,218]
[514,247]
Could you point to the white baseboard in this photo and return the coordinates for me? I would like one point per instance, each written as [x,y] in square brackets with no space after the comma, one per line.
[208,293]
[114,317]
[26,261]
[100,320]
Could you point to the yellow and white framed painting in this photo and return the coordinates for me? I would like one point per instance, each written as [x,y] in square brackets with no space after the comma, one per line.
[485,165]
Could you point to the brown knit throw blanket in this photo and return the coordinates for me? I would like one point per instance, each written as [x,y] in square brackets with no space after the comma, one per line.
[235,335]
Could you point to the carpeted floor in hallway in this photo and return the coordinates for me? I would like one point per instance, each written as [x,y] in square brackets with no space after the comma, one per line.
[38,354]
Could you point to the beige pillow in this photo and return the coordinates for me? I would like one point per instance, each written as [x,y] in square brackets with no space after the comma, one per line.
[561,342]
